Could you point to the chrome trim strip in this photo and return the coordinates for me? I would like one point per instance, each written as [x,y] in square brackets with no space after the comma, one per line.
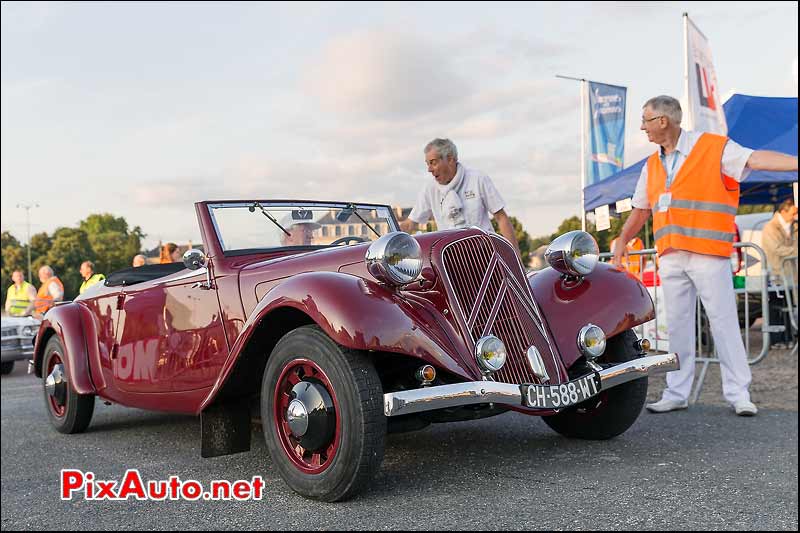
[181,277]
[472,392]
[638,368]
[439,397]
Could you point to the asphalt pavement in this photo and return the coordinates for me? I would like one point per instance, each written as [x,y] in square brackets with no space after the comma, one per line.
[703,468]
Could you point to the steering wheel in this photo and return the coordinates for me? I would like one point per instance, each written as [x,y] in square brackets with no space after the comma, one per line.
[344,240]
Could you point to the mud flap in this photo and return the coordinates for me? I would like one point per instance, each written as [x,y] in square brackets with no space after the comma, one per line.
[225,428]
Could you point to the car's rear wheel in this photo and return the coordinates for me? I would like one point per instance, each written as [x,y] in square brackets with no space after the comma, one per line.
[69,412]
[6,367]
[322,415]
[611,412]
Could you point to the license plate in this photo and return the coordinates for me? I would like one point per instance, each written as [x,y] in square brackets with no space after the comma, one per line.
[562,395]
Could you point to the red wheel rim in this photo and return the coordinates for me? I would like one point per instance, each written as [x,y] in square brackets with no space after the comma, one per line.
[295,371]
[58,410]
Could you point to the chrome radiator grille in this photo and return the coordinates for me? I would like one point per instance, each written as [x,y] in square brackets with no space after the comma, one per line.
[492,300]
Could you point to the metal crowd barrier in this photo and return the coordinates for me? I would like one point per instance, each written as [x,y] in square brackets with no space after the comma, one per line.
[761,287]
[789,276]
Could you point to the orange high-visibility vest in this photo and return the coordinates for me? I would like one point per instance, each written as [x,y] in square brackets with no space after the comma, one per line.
[700,217]
[43,299]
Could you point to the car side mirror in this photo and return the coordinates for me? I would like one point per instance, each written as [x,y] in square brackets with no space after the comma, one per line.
[194,259]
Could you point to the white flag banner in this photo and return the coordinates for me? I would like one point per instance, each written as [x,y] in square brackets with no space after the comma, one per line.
[624,205]
[705,107]
[602,218]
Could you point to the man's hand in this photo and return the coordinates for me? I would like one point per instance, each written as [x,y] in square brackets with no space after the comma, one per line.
[632,226]
[620,251]
[409,226]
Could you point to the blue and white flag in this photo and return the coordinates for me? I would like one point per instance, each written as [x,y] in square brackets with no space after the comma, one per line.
[606,131]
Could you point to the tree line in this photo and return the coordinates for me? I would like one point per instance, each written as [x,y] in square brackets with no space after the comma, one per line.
[104,239]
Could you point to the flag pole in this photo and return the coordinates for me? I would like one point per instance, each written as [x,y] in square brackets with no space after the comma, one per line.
[689,114]
[583,143]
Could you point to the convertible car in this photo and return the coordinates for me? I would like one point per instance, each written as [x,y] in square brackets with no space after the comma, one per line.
[332,326]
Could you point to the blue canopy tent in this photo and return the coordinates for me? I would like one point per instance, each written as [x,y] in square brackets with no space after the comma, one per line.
[757,122]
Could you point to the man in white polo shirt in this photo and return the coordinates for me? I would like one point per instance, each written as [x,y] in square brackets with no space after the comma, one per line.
[458,197]
[690,188]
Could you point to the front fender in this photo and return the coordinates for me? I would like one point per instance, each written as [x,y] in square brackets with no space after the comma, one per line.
[609,297]
[355,313]
[65,321]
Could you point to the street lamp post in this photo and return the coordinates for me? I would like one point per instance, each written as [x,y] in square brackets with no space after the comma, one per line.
[27,208]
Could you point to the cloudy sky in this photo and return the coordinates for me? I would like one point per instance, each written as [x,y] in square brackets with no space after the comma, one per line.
[141,109]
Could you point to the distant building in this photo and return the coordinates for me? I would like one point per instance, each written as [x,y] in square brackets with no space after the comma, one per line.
[332,229]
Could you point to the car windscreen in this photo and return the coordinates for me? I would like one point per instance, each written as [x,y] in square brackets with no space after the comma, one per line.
[263,225]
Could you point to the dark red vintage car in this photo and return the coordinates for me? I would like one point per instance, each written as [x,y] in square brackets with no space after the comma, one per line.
[332,326]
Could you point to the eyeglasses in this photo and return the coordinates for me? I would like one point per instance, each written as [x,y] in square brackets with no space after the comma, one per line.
[644,120]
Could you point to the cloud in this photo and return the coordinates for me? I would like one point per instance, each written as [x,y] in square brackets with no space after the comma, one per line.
[384,74]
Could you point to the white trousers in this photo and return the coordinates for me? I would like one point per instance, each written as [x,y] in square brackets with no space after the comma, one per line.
[684,275]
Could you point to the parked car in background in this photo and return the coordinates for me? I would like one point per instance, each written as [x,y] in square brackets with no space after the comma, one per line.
[334,326]
[18,338]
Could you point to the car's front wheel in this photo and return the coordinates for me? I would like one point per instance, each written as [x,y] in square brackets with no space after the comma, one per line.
[614,410]
[322,415]
[69,412]
[6,367]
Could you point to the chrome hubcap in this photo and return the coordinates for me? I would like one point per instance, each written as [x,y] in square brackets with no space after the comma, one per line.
[310,415]
[56,385]
[297,417]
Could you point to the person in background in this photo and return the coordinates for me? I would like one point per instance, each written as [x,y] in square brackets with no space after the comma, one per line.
[20,296]
[139,260]
[690,186]
[458,197]
[50,292]
[89,277]
[779,240]
[170,253]
[301,231]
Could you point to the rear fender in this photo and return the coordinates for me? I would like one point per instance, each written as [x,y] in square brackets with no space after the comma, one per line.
[65,321]
[355,313]
[609,297]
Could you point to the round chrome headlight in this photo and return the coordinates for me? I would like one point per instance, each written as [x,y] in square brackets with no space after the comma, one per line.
[395,258]
[491,353]
[29,331]
[592,341]
[574,253]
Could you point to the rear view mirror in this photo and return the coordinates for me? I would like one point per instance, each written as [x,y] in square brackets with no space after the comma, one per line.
[194,259]
[345,214]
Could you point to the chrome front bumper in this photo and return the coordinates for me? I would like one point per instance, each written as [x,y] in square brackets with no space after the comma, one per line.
[471,392]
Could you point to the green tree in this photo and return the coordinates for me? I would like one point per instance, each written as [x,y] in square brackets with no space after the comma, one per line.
[6,239]
[523,239]
[40,245]
[70,248]
[113,244]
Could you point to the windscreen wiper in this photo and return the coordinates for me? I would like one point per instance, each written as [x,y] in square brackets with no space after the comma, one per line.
[252,209]
[351,208]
